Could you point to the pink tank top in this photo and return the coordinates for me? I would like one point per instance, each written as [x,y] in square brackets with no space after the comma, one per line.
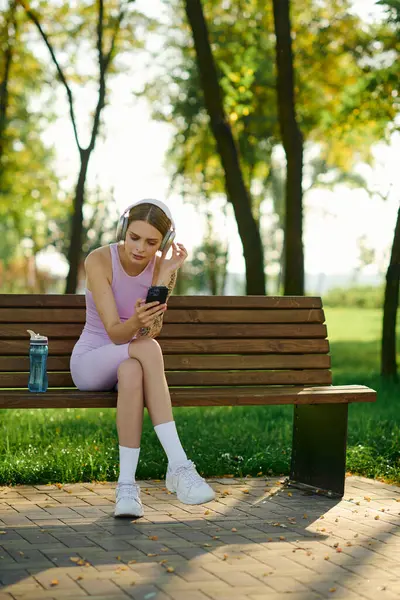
[126,288]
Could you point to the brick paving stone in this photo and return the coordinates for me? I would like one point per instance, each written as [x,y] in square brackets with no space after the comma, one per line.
[270,543]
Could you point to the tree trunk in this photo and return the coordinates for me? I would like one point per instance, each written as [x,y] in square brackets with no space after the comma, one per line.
[292,140]
[236,190]
[10,37]
[391,303]
[76,228]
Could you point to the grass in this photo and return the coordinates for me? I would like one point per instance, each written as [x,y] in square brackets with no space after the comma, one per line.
[70,445]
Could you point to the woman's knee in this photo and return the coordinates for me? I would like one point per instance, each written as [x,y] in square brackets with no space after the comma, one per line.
[145,347]
[130,373]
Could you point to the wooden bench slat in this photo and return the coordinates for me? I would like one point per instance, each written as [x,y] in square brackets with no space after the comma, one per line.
[219,346]
[230,396]
[197,378]
[196,362]
[76,300]
[64,316]
[170,331]
[237,316]
[40,315]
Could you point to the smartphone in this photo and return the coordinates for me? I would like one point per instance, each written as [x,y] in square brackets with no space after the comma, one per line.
[157,292]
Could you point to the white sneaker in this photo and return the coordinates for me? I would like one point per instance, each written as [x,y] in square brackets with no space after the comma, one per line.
[128,503]
[190,488]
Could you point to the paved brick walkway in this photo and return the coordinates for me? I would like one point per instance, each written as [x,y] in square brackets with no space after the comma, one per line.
[256,541]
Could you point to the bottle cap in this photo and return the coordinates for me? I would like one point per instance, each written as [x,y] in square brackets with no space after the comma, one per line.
[36,338]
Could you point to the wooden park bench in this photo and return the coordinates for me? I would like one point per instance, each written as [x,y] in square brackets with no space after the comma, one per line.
[219,351]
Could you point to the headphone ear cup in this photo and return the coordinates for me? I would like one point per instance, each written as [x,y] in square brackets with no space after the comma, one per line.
[167,241]
[121,228]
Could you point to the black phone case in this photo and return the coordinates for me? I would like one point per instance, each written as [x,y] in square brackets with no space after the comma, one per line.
[157,292]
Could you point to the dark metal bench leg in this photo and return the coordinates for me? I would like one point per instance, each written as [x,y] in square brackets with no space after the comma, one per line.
[319,447]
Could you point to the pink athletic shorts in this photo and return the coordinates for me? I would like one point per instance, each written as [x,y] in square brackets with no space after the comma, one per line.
[95,361]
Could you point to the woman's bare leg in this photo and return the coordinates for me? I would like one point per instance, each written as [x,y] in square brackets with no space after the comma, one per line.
[158,400]
[130,404]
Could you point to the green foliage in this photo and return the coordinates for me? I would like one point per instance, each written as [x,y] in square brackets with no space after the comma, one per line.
[338,104]
[355,297]
[29,188]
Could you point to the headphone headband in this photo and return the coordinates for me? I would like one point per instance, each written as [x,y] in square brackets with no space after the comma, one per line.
[155,202]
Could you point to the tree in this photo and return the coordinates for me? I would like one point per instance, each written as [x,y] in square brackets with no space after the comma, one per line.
[339,110]
[292,140]
[108,28]
[236,190]
[390,307]
[28,184]
[391,299]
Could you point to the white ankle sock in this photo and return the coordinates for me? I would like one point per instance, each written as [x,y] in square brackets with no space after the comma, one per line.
[128,461]
[170,441]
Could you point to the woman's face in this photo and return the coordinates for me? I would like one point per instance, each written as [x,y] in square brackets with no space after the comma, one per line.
[142,242]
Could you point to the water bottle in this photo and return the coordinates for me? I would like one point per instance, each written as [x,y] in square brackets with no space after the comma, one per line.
[38,352]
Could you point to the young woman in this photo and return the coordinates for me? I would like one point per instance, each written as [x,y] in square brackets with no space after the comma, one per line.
[117,349]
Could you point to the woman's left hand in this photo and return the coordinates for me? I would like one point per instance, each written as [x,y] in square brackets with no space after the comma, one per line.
[179,255]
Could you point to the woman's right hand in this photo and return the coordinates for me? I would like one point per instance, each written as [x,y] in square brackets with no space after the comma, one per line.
[147,313]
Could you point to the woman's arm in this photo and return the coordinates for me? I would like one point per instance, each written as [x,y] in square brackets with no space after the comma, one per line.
[156,327]
[103,296]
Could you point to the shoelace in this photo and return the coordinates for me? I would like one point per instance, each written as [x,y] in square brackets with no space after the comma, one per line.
[128,490]
[190,474]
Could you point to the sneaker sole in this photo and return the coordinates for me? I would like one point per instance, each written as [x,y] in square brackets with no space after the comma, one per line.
[128,514]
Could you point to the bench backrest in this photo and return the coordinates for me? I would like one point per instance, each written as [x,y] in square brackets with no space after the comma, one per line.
[206,340]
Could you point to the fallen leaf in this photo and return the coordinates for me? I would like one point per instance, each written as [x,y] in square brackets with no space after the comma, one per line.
[339,550]
[225,557]
[233,529]
[153,537]
[326,557]
[332,590]
[207,512]
[78,578]
[54,582]
[132,562]
[282,537]
[74,559]
[170,569]
[245,491]
[163,561]
[150,554]
[367,498]
[290,494]
[377,518]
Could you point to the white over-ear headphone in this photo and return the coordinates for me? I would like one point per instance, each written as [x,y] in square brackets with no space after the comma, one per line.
[123,223]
